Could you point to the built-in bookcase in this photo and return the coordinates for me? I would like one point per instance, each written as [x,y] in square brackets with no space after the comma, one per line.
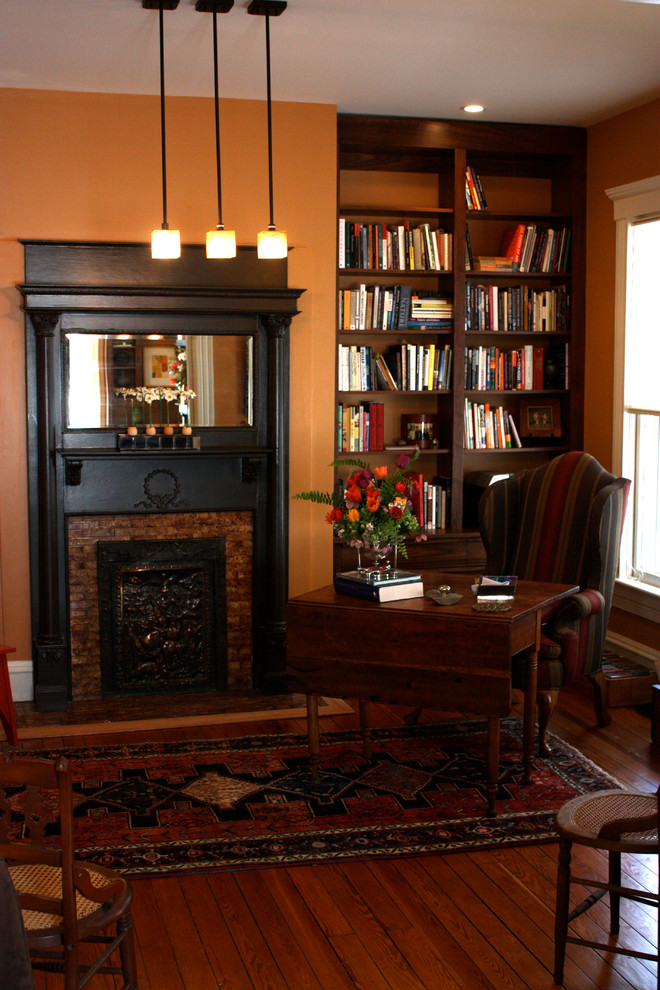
[406,175]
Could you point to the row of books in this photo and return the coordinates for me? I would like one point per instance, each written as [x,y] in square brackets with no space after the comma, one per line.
[402,367]
[359,427]
[394,247]
[393,307]
[517,308]
[432,502]
[488,428]
[474,194]
[535,248]
[530,367]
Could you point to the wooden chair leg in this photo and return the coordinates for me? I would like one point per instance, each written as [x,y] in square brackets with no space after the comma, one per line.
[603,717]
[615,899]
[658,923]
[561,908]
[127,952]
[546,701]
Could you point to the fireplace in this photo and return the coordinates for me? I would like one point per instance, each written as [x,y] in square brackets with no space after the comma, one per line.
[162,611]
[105,550]
[143,512]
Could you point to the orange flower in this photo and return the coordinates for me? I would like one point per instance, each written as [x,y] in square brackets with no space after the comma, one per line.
[354,494]
[373,499]
[353,515]
[335,515]
[381,472]
[401,487]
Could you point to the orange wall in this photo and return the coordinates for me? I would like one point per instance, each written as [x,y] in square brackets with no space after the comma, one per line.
[83,166]
[624,149]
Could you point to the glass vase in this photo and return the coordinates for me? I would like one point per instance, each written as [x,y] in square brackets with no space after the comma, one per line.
[374,559]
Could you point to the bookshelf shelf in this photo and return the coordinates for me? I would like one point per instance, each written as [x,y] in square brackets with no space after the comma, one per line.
[542,218]
[404,212]
[406,275]
[409,171]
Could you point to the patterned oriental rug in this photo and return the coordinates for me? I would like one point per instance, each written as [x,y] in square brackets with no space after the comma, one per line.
[164,808]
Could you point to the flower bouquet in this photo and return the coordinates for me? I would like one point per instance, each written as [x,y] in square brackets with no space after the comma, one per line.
[375,509]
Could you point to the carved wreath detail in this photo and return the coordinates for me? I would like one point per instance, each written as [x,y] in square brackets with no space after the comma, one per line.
[162,499]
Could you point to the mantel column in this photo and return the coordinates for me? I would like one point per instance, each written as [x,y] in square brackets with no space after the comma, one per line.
[50,649]
[271,624]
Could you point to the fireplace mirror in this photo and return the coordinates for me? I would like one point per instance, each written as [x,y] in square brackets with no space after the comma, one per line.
[107,375]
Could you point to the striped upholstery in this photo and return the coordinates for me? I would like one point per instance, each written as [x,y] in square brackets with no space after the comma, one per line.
[560,522]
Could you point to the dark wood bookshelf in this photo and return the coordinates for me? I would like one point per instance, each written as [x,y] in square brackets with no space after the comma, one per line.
[530,174]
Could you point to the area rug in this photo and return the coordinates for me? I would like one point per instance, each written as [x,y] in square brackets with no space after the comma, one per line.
[164,808]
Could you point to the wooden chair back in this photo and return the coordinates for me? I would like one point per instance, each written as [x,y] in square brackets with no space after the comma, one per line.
[35,802]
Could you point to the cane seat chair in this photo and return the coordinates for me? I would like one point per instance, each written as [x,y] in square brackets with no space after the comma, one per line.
[64,902]
[561,522]
[618,822]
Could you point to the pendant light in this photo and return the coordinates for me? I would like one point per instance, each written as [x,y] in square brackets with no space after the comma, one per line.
[220,243]
[165,243]
[271,243]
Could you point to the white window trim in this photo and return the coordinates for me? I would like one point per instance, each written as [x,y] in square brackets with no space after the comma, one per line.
[632,201]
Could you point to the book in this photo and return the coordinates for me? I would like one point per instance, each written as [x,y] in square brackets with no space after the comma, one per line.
[469,260]
[493,263]
[512,242]
[474,194]
[392,590]
[417,484]
[514,432]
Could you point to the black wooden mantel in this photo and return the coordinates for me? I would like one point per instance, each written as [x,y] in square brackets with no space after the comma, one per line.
[118,288]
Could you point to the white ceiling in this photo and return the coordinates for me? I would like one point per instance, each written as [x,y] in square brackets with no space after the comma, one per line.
[532,61]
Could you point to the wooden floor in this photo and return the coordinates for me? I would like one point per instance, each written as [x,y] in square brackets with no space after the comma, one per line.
[477,920]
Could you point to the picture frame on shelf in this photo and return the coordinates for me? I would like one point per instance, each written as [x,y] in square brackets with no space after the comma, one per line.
[540,417]
[156,365]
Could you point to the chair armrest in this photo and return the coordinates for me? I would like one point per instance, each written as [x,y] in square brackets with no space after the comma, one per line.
[577,607]
[568,626]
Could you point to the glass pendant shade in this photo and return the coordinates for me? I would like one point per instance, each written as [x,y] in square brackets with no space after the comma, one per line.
[165,243]
[271,243]
[221,243]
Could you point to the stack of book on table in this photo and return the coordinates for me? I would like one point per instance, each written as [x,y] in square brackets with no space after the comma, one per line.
[406,584]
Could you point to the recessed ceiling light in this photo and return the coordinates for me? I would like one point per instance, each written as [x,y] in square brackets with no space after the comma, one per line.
[473,108]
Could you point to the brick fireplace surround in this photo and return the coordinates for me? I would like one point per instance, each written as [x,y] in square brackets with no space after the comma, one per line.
[83,537]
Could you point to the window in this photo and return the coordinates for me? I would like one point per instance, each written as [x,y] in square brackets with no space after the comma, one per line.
[637,393]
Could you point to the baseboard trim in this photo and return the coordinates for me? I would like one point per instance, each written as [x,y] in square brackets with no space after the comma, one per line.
[20,678]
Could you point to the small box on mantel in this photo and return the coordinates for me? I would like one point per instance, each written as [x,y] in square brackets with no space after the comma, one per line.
[157,441]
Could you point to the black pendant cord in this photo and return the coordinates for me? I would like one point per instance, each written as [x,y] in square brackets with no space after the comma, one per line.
[162,115]
[217,116]
[270,129]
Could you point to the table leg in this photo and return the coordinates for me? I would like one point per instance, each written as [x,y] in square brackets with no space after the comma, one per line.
[313,735]
[529,711]
[364,728]
[493,762]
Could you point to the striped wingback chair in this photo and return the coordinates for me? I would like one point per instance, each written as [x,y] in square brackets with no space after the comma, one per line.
[561,522]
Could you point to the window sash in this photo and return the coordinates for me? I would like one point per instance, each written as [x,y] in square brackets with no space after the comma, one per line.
[640,555]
